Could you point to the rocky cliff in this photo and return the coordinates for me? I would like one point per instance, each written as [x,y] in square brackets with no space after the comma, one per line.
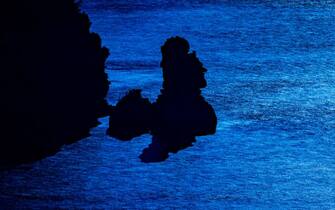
[52,79]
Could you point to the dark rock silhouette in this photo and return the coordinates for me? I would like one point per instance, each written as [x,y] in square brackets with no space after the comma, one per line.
[180,112]
[52,79]
[131,117]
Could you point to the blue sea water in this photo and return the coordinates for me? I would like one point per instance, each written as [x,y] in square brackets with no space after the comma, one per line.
[271,80]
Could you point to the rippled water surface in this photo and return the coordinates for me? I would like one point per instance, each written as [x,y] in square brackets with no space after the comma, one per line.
[271,73]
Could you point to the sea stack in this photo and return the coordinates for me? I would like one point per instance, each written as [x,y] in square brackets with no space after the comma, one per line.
[52,79]
[180,112]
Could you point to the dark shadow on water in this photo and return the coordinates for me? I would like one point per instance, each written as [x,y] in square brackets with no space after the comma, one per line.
[179,114]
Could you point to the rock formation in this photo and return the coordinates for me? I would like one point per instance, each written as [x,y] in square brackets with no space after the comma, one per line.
[131,117]
[180,112]
[52,79]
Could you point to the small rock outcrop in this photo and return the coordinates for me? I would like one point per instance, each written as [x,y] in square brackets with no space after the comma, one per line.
[52,79]
[180,113]
[131,117]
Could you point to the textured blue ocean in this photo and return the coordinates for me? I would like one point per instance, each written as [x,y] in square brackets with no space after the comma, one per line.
[271,80]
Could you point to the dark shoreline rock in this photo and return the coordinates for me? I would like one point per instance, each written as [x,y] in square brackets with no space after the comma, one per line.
[52,78]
